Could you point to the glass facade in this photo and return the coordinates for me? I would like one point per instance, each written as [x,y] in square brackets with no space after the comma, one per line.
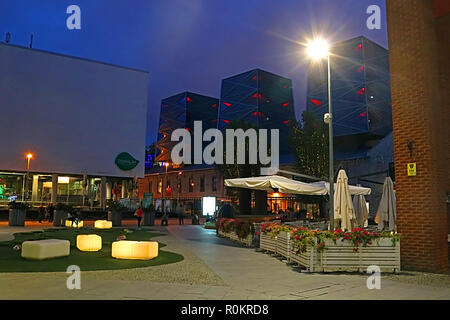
[36,188]
[180,111]
[360,90]
[260,98]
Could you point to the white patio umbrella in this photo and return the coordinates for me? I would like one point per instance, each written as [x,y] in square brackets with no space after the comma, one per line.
[387,210]
[361,212]
[282,184]
[344,212]
[354,190]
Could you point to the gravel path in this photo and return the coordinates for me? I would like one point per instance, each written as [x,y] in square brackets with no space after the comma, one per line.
[191,270]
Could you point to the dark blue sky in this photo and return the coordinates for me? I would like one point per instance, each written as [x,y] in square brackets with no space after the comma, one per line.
[190,45]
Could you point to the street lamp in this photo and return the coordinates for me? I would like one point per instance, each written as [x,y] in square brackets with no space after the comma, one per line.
[28,157]
[319,49]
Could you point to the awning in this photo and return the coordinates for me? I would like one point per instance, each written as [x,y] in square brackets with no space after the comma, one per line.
[276,183]
[354,190]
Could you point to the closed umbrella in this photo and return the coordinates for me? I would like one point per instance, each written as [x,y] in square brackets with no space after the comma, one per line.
[387,210]
[361,213]
[343,205]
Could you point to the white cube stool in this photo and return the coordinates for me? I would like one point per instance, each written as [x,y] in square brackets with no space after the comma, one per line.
[45,249]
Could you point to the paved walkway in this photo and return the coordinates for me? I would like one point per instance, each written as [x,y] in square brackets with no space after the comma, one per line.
[245,274]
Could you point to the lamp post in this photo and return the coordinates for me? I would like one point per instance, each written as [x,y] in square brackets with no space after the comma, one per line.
[319,49]
[28,156]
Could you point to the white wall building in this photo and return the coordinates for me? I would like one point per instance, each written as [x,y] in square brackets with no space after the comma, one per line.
[75,116]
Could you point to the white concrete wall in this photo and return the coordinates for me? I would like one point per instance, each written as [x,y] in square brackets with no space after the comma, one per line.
[74,115]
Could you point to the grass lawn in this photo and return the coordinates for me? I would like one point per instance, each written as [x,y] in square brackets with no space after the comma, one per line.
[11,260]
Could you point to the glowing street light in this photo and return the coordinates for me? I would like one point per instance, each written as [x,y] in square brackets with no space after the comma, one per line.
[319,49]
[29,156]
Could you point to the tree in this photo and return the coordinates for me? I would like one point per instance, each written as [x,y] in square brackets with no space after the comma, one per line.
[230,171]
[310,146]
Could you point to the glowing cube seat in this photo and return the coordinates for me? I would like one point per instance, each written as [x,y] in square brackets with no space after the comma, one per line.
[89,242]
[143,250]
[45,249]
[69,224]
[103,224]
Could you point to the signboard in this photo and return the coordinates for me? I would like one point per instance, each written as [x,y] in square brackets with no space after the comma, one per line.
[412,170]
[147,200]
[125,161]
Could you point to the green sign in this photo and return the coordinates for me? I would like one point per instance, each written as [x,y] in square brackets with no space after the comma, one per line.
[125,161]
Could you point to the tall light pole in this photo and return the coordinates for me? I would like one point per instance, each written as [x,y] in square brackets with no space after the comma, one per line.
[319,49]
[28,156]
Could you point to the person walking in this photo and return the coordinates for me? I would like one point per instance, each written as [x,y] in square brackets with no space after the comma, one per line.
[138,215]
[41,213]
[180,216]
[50,211]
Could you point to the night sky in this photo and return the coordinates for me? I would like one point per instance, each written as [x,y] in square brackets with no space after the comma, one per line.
[190,45]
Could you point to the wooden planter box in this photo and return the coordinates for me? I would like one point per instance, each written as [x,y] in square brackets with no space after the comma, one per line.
[233,236]
[266,242]
[341,257]
[284,244]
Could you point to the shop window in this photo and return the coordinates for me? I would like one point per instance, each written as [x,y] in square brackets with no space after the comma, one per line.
[214,183]
[202,184]
[160,186]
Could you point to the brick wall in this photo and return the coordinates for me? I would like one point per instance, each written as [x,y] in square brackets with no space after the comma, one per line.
[420,112]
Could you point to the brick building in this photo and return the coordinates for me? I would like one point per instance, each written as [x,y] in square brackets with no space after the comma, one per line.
[419,45]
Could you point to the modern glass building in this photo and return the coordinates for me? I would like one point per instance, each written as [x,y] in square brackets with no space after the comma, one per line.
[260,98]
[180,111]
[360,88]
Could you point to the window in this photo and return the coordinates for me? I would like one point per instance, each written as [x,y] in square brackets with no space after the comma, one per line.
[160,186]
[214,183]
[150,186]
[202,184]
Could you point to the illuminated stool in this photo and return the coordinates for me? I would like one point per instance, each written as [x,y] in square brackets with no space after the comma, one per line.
[89,242]
[143,250]
[45,249]
[69,224]
[102,224]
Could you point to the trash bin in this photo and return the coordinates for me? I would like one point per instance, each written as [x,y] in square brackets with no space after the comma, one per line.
[59,218]
[17,217]
[149,218]
[115,217]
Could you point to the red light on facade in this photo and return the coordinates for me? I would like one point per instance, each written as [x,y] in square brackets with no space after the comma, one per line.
[227,104]
[286,121]
[214,105]
[258,113]
[362,91]
[255,95]
[316,102]
[188,129]
[361,69]
[214,120]
[363,114]
[188,99]
[285,104]
[359,47]
[254,78]
[226,121]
